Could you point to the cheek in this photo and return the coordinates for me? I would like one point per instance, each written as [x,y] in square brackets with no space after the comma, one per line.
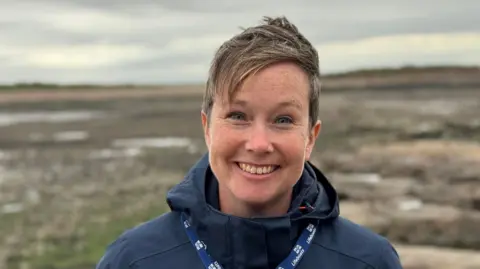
[294,145]
[223,140]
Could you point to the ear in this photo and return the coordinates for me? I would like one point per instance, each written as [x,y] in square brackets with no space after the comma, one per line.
[206,128]
[312,138]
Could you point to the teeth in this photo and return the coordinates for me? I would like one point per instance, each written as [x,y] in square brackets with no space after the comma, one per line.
[256,169]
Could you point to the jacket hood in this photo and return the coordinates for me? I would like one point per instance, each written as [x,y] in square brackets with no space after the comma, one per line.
[251,242]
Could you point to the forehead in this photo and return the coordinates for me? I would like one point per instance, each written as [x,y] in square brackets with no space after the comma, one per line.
[284,83]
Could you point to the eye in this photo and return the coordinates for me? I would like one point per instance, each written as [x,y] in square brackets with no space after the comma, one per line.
[284,120]
[236,116]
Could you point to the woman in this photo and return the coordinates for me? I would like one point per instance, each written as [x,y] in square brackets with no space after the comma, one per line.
[254,200]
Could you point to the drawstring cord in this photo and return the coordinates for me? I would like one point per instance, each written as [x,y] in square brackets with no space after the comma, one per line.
[308,206]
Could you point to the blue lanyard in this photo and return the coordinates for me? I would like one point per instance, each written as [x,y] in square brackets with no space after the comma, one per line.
[292,260]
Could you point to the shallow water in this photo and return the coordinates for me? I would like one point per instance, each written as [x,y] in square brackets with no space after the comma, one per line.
[7,119]
[157,142]
[114,153]
[69,136]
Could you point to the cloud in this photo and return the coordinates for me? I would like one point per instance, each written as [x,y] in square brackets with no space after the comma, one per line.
[188,58]
[206,43]
[397,50]
[73,57]
[172,41]
[84,56]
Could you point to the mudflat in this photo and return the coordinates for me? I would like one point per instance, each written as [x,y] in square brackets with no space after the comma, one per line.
[79,167]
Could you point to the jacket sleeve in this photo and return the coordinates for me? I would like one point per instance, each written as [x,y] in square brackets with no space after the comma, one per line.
[116,256]
[388,258]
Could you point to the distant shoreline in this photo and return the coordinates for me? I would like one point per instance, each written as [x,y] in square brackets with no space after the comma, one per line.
[405,78]
[401,79]
[437,76]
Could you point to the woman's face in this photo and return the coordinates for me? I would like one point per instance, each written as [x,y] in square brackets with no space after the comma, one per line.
[258,143]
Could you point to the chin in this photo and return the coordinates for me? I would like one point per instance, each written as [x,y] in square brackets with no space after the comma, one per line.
[255,198]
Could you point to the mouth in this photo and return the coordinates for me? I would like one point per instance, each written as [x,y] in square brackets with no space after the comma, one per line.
[257,170]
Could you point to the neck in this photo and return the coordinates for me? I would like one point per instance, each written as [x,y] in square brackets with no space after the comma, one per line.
[231,206]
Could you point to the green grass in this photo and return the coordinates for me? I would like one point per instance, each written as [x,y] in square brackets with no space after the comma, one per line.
[84,248]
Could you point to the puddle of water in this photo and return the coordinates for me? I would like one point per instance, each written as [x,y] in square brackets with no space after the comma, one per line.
[66,136]
[12,208]
[368,178]
[111,153]
[69,136]
[158,142]
[7,119]
[409,205]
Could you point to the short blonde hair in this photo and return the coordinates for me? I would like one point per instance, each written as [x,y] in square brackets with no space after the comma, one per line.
[274,40]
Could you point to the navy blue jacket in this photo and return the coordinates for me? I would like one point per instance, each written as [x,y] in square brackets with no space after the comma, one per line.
[239,243]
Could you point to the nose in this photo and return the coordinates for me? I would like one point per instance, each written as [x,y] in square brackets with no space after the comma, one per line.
[258,139]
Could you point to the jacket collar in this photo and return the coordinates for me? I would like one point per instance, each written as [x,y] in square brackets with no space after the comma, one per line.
[250,242]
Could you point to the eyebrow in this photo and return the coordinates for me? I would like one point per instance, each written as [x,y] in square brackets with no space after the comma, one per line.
[289,103]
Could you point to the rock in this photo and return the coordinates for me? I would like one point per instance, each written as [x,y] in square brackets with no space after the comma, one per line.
[434,225]
[465,195]
[443,172]
[464,126]
[423,130]
[410,221]
[427,257]
[363,213]
[370,186]
[426,160]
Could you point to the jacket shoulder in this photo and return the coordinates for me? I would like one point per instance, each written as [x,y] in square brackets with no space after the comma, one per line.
[355,242]
[150,238]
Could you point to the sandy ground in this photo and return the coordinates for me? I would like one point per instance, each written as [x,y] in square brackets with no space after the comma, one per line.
[95,94]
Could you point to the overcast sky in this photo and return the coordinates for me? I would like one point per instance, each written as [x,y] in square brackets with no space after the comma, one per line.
[147,41]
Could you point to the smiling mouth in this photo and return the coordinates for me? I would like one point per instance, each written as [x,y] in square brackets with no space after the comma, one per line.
[257,169]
